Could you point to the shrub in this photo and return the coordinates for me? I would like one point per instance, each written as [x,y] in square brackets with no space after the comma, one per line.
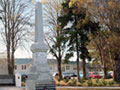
[63,83]
[82,80]
[97,80]
[23,84]
[90,83]
[56,81]
[100,84]
[111,83]
[104,82]
[85,84]
[72,82]
[66,80]
[78,84]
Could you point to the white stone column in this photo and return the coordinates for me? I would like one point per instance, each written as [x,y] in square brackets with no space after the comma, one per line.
[40,71]
[39,23]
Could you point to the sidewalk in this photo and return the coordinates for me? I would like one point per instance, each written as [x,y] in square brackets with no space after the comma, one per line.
[11,88]
[71,87]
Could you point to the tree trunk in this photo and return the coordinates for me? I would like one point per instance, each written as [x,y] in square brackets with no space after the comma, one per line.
[105,69]
[105,72]
[13,48]
[84,69]
[8,60]
[117,70]
[78,67]
[12,62]
[59,69]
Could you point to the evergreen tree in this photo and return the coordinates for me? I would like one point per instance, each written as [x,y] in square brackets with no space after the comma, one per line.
[77,24]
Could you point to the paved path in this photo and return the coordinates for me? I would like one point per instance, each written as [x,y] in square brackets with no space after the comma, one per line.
[113,88]
[11,88]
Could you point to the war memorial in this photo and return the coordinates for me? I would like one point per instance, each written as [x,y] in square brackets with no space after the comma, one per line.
[39,77]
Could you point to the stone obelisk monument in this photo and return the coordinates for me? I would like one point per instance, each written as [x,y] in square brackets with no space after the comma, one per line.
[39,72]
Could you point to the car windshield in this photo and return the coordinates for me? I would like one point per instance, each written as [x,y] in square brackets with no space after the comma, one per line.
[68,74]
[95,73]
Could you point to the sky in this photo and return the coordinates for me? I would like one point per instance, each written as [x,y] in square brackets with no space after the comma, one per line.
[20,52]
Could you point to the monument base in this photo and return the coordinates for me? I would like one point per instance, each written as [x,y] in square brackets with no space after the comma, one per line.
[48,86]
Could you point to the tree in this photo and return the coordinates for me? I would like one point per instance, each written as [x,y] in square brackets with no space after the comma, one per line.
[99,52]
[107,13]
[15,21]
[77,23]
[55,36]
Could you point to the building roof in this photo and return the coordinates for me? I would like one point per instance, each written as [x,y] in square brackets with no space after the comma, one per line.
[23,60]
[54,61]
[20,61]
[29,60]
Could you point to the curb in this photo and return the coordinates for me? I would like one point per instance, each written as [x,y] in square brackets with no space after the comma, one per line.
[87,87]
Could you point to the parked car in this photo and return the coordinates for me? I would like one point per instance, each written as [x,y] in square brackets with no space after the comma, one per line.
[55,74]
[101,74]
[87,75]
[74,76]
[95,75]
[69,75]
[112,75]
[109,75]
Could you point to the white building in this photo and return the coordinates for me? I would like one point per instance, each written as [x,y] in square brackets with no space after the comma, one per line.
[23,64]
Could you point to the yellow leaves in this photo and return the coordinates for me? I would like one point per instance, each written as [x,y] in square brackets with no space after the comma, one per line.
[87,17]
[100,8]
[78,26]
[111,4]
[114,40]
[79,2]
[70,4]
[81,6]
[82,22]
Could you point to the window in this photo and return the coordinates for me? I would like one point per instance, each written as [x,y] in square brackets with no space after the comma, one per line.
[23,67]
[63,69]
[15,67]
[67,67]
